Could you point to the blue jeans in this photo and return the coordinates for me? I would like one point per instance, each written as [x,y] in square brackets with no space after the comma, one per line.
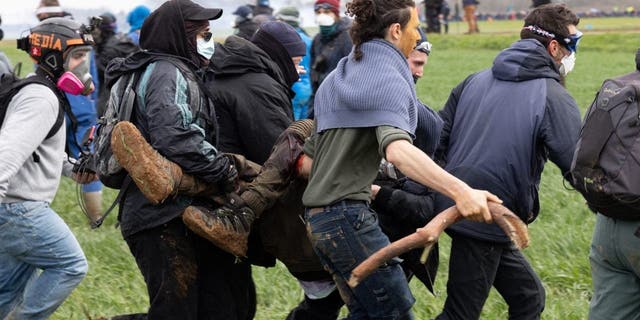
[345,234]
[33,237]
[615,269]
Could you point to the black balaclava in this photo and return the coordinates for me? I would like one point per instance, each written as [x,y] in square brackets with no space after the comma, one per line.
[278,53]
[164,32]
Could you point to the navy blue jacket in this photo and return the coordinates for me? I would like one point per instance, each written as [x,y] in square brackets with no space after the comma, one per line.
[501,126]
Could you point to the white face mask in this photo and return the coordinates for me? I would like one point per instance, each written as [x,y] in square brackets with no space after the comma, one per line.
[206,48]
[325,20]
[567,64]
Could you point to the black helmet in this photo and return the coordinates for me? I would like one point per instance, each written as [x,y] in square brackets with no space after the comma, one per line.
[49,40]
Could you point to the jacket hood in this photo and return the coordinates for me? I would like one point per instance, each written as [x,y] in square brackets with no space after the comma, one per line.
[526,59]
[238,56]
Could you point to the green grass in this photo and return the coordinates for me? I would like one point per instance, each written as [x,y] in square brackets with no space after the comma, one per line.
[560,237]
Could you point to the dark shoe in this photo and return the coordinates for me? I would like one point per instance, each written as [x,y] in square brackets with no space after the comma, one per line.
[226,227]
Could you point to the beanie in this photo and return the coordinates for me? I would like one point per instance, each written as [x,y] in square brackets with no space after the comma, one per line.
[290,15]
[285,34]
[334,4]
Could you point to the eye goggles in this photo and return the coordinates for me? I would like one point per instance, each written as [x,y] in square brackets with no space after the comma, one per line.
[424,46]
[206,36]
[324,6]
[570,42]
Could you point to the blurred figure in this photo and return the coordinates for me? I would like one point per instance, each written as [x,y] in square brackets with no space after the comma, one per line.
[244,24]
[262,7]
[330,45]
[5,64]
[437,15]
[50,8]
[302,88]
[537,3]
[109,44]
[135,18]
[470,7]
[83,108]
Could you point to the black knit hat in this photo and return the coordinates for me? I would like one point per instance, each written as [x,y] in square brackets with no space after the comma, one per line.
[285,34]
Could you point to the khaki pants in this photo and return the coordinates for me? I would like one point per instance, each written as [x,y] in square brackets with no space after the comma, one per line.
[470,16]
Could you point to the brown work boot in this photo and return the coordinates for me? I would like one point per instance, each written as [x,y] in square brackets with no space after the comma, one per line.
[226,227]
[155,176]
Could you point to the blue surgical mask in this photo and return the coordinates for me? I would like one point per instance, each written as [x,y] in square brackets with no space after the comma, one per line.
[206,48]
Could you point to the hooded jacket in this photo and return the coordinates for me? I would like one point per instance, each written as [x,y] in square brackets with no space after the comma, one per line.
[173,113]
[251,97]
[501,126]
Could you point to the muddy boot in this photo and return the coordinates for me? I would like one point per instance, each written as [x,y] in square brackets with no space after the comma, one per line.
[227,227]
[157,177]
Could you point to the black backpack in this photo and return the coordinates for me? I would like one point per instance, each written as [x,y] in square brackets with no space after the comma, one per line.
[606,162]
[10,84]
[119,108]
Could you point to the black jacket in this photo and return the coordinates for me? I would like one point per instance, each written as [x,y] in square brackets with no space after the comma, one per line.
[251,98]
[501,126]
[327,52]
[176,117]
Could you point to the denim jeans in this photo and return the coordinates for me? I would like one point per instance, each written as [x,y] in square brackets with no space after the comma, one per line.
[345,234]
[33,237]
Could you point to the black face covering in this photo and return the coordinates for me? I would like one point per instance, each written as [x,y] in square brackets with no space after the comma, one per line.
[278,53]
[164,31]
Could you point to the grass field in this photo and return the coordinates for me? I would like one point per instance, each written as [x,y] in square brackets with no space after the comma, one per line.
[560,237]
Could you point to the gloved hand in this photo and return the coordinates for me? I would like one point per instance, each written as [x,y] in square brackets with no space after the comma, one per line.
[229,182]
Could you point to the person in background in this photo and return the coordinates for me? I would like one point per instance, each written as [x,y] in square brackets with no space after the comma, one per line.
[109,44]
[135,18]
[262,7]
[83,108]
[302,88]
[331,44]
[41,261]
[469,7]
[244,24]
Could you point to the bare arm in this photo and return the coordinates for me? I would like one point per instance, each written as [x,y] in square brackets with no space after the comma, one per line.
[415,164]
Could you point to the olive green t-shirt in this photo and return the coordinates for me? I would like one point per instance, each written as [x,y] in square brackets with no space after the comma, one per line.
[345,162]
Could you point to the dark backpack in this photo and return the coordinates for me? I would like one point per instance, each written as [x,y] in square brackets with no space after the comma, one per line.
[606,162]
[119,108]
[10,84]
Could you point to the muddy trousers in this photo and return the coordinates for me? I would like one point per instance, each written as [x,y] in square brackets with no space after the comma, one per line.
[189,278]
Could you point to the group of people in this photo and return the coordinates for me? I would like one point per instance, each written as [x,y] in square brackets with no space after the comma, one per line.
[309,193]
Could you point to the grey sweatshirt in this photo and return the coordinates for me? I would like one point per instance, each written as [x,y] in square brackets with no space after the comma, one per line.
[31,113]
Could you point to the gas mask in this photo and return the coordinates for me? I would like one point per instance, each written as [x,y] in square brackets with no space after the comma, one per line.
[567,64]
[76,78]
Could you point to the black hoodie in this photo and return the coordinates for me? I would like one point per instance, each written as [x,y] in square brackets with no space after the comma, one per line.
[251,98]
[172,112]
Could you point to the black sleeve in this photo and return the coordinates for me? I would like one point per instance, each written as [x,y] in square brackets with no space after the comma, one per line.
[171,128]
[405,207]
[561,126]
